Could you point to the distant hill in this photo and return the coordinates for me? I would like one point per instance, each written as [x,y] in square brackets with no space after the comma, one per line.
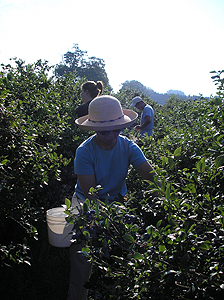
[159,98]
[175,92]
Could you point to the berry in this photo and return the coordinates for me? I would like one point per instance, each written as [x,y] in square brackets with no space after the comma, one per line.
[129,219]
[146,236]
[89,218]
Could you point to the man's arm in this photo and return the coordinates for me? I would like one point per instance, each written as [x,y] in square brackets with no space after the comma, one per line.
[147,172]
[86,182]
[146,123]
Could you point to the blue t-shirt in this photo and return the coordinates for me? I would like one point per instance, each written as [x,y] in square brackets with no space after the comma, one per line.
[109,166]
[147,111]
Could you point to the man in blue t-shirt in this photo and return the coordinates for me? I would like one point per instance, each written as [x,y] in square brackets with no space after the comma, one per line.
[103,159]
[109,167]
[147,116]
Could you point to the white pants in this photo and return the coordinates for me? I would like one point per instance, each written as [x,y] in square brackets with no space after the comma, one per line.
[79,273]
[76,201]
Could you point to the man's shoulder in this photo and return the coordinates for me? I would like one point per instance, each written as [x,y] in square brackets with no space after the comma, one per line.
[87,143]
[126,142]
[148,106]
[148,109]
[123,139]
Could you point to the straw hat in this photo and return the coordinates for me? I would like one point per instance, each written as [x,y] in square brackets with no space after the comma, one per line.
[106,113]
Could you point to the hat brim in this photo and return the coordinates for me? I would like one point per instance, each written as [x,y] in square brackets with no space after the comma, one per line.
[135,102]
[129,118]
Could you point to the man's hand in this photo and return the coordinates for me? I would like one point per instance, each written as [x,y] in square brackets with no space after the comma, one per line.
[138,127]
[146,123]
[86,182]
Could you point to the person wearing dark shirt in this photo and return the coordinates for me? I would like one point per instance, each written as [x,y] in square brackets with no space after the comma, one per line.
[89,91]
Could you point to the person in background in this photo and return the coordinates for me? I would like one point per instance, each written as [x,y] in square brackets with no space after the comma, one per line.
[147,116]
[89,91]
[103,159]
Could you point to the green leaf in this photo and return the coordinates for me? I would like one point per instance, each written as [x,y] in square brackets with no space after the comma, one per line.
[216,76]
[177,152]
[30,137]
[162,248]
[85,207]
[164,161]
[138,255]
[152,231]
[171,162]
[128,238]
[85,249]
[218,101]
[3,162]
[163,185]
[173,197]
[204,245]
[190,187]
[67,203]
[69,219]
[87,235]
[167,192]
[107,223]
[158,223]
[201,165]
[87,202]
[219,161]
[207,197]
[221,220]
[188,224]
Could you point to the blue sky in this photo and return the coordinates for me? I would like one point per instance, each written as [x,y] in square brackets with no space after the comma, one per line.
[162,44]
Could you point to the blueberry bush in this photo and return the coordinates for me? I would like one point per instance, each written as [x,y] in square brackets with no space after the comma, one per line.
[166,247]
[38,139]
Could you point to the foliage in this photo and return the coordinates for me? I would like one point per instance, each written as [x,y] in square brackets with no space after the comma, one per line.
[37,144]
[92,68]
[169,247]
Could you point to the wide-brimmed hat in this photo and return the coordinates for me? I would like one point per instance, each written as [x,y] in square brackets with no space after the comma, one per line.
[136,100]
[106,113]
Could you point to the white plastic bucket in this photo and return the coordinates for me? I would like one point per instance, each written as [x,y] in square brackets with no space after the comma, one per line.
[58,228]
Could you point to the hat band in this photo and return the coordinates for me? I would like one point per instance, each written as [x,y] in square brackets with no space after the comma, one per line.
[106,121]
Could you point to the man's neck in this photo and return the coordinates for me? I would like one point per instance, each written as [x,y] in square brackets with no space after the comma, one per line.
[105,146]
